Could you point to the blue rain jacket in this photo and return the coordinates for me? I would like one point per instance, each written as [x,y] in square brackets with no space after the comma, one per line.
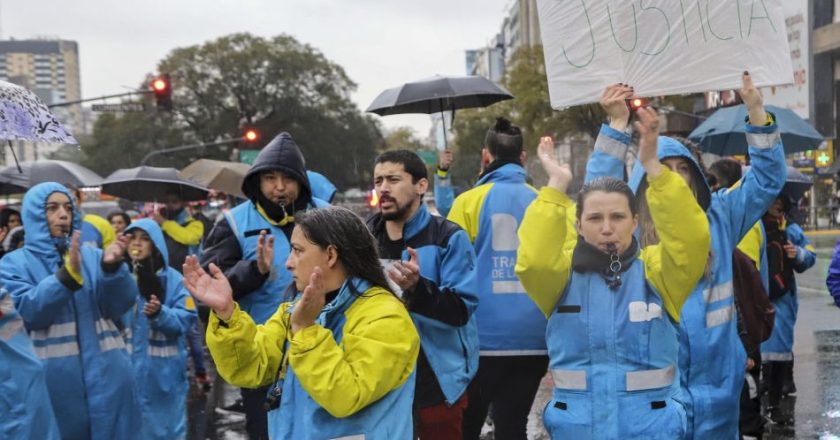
[712,359]
[246,223]
[321,187]
[158,349]
[509,324]
[447,260]
[833,279]
[88,369]
[25,409]
[780,345]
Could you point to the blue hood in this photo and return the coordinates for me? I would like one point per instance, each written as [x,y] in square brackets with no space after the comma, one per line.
[34,215]
[669,147]
[151,228]
[321,187]
[506,173]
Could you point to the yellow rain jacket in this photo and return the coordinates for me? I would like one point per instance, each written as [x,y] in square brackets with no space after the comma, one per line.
[351,373]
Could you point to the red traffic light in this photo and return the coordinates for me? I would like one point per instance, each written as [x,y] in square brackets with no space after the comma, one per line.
[637,103]
[162,89]
[251,135]
[160,85]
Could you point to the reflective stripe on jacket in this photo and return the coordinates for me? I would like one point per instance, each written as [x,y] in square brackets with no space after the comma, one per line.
[614,354]
[25,409]
[158,349]
[509,323]
[712,358]
[88,370]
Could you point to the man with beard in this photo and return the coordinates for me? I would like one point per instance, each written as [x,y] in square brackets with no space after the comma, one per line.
[277,188]
[432,263]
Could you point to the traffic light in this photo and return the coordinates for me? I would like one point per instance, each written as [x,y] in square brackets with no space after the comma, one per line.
[637,103]
[251,135]
[162,89]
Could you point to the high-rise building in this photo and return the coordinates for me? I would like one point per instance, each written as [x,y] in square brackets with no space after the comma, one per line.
[50,68]
[520,28]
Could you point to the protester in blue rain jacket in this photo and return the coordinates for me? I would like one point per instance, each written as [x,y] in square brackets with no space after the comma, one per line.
[69,297]
[277,188]
[322,188]
[788,251]
[832,281]
[341,356]
[511,329]
[25,409]
[712,359]
[612,306]
[155,328]
[432,262]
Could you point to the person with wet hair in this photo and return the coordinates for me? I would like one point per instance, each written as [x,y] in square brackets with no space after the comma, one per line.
[712,360]
[611,304]
[70,297]
[511,330]
[340,357]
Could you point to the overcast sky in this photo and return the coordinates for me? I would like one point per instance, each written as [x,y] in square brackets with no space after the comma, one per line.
[380,43]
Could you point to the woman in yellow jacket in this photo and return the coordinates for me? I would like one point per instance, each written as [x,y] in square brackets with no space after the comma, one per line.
[341,355]
[613,308]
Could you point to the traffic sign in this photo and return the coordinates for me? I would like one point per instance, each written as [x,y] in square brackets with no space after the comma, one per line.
[122,107]
[248,156]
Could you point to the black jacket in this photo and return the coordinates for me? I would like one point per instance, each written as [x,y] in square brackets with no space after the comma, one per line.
[222,247]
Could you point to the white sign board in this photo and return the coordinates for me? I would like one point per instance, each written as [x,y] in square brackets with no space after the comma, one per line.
[796,96]
[660,47]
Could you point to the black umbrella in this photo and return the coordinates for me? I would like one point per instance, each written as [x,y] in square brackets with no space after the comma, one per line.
[439,94]
[151,184]
[14,180]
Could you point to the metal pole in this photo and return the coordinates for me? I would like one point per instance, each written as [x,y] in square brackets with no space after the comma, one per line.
[118,95]
[189,147]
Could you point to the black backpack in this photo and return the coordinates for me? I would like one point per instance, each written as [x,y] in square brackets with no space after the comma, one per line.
[778,265]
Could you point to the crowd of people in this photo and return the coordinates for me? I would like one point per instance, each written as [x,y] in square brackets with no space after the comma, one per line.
[661,303]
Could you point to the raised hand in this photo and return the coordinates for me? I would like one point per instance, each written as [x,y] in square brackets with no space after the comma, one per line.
[753,100]
[614,102]
[406,273]
[75,260]
[212,289]
[648,128]
[559,176]
[115,252]
[265,252]
[311,302]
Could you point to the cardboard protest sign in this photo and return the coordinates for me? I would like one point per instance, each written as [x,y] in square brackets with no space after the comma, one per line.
[660,47]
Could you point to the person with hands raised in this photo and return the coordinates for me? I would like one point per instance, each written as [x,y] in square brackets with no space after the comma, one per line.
[340,357]
[611,306]
[712,359]
[69,297]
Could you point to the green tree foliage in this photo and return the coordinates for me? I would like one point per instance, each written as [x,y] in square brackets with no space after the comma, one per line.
[240,80]
[530,110]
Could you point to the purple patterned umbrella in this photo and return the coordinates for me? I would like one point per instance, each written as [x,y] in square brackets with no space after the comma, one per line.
[24,117]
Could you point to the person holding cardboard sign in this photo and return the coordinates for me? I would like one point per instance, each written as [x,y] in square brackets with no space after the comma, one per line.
[611,305]
[712,359]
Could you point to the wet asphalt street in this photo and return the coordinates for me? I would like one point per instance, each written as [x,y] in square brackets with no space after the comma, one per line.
[816,404]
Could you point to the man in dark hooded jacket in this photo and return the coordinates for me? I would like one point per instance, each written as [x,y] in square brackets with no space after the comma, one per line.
[277,187]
